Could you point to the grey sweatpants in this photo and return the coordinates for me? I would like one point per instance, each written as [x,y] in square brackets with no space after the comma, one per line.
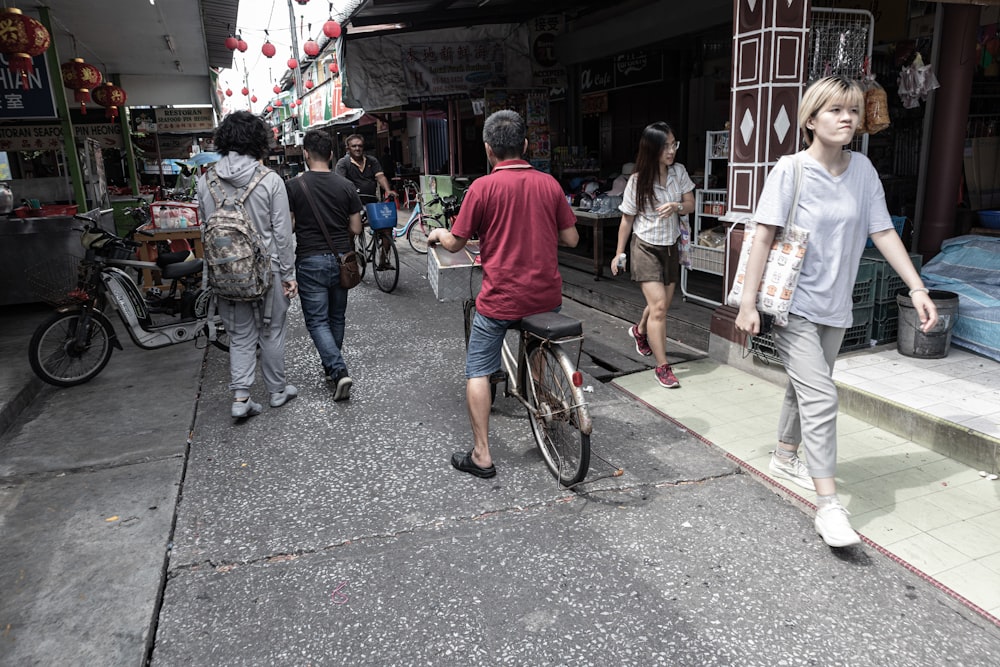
[244,325]
[809,411]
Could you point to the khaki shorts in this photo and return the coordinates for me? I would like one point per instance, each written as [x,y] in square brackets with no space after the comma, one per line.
[654,263]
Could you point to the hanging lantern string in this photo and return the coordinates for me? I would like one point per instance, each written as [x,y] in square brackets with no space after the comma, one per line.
[66,31]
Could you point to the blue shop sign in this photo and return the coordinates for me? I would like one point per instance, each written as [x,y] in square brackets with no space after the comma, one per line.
[36,101]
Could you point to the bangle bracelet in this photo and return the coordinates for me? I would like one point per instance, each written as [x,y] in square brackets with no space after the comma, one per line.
[919,289]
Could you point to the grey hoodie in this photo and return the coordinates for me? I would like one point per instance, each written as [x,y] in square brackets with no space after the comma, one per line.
[267,207]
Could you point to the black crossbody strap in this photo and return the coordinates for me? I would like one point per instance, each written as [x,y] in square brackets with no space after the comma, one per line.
[320,220]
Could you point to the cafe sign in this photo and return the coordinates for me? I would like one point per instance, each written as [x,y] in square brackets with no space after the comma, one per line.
[632,68]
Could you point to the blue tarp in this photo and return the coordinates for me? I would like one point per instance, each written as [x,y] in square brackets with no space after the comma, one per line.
[970,267]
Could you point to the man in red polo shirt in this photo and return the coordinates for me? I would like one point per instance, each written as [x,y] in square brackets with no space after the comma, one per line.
[520,216]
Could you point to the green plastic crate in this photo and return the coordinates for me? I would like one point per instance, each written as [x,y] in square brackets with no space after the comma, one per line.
[887,281]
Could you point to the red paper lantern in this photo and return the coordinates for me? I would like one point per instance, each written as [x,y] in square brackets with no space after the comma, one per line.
[242,46]
[293,63]
[268,50]
[309,84]
[269,108]
[110,96]
[277,103]
[331,29]
[311,48]
[229,92]
[333,67]
[245,91]
[276,89]
[21,39]
[253,98]
[232,43]
[81,77]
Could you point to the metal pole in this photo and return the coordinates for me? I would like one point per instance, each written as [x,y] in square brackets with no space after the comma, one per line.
[295,51]
[69,137]
[129,150]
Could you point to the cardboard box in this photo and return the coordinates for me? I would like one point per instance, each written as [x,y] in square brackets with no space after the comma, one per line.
[452,275]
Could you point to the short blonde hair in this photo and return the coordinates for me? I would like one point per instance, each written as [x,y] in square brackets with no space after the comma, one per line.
[823,91]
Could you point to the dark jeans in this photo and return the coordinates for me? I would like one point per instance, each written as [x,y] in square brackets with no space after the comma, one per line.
[324,306]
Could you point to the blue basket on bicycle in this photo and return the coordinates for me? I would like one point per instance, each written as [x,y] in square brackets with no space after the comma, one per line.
[381,216]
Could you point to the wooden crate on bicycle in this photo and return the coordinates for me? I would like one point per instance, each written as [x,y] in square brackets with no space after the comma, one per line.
[450,273]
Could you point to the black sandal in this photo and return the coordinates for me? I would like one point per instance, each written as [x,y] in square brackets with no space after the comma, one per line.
[463,461]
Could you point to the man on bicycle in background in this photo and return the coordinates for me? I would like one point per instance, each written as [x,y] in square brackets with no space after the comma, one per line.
[521,217]
[317,265]
[366,172]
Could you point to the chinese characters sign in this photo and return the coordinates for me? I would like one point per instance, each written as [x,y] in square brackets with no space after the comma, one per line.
[195,119]
[437,71]
[35,102]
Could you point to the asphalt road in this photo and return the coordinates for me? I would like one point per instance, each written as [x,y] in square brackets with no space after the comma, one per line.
[324,533]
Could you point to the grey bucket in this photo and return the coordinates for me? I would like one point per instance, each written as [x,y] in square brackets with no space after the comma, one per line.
[933,344]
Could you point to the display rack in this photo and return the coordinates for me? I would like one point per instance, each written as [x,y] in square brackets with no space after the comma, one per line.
[709,207]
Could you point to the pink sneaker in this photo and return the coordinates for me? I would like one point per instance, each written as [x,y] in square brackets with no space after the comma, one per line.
[641,342]
[666,377]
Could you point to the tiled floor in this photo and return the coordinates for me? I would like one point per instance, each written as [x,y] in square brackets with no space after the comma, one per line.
[939,516]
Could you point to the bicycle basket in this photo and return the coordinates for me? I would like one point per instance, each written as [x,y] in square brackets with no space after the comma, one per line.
[381,216]
[55,279]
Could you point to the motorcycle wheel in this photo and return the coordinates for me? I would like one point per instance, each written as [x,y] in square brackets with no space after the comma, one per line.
[57,357]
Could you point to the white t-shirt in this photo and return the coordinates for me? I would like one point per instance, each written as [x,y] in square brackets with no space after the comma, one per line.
[649,225]
[840,212]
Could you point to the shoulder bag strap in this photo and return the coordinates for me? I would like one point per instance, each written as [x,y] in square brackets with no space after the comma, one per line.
[790,222]
[320,220]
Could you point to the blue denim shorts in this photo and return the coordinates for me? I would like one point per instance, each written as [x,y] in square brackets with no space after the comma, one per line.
[485,345]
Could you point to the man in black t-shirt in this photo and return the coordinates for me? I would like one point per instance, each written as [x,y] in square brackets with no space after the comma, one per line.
[320,199]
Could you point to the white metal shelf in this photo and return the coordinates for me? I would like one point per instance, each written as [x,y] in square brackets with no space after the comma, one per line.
[709,206]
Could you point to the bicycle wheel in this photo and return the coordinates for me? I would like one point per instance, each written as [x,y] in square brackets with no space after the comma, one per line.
[361,248]
[417,235]
[386,269]
[58,358]
[557,410]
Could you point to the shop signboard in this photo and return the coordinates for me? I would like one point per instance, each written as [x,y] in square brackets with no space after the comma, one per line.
[50,137]
[546,71]
[189,119]
[456,69]
[34,102]
[632,68]
[325,105]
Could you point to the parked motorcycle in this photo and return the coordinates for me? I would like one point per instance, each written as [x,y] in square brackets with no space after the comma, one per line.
[74,345]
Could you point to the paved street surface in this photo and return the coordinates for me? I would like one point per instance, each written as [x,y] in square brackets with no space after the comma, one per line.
[324,533]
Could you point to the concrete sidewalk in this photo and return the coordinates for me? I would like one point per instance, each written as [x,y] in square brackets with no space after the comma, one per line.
[337,533]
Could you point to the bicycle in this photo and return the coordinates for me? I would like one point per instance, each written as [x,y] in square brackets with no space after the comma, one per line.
[542,375]
[378,249]
[410,192]
[420,224]
[74,345]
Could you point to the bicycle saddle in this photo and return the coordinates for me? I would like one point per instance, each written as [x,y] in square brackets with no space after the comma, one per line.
[552,325]
[179,268]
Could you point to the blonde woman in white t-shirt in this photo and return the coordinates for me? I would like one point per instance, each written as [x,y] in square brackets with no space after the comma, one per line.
[841,204]
[658,192]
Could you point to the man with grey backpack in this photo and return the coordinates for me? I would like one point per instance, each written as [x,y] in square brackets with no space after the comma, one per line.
[249,258]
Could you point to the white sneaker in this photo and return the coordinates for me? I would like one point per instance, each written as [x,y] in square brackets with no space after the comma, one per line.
[834,527]
[244,409]
[793,469]
[279,398]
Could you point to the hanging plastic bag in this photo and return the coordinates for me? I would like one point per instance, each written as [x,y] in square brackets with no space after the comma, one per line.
[876,107]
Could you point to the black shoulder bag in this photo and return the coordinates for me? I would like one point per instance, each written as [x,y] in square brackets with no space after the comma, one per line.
[350,272]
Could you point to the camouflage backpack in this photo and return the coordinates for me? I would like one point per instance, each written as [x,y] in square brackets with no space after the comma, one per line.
[238,260]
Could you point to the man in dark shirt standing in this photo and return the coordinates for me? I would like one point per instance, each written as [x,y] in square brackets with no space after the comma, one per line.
[324,301]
